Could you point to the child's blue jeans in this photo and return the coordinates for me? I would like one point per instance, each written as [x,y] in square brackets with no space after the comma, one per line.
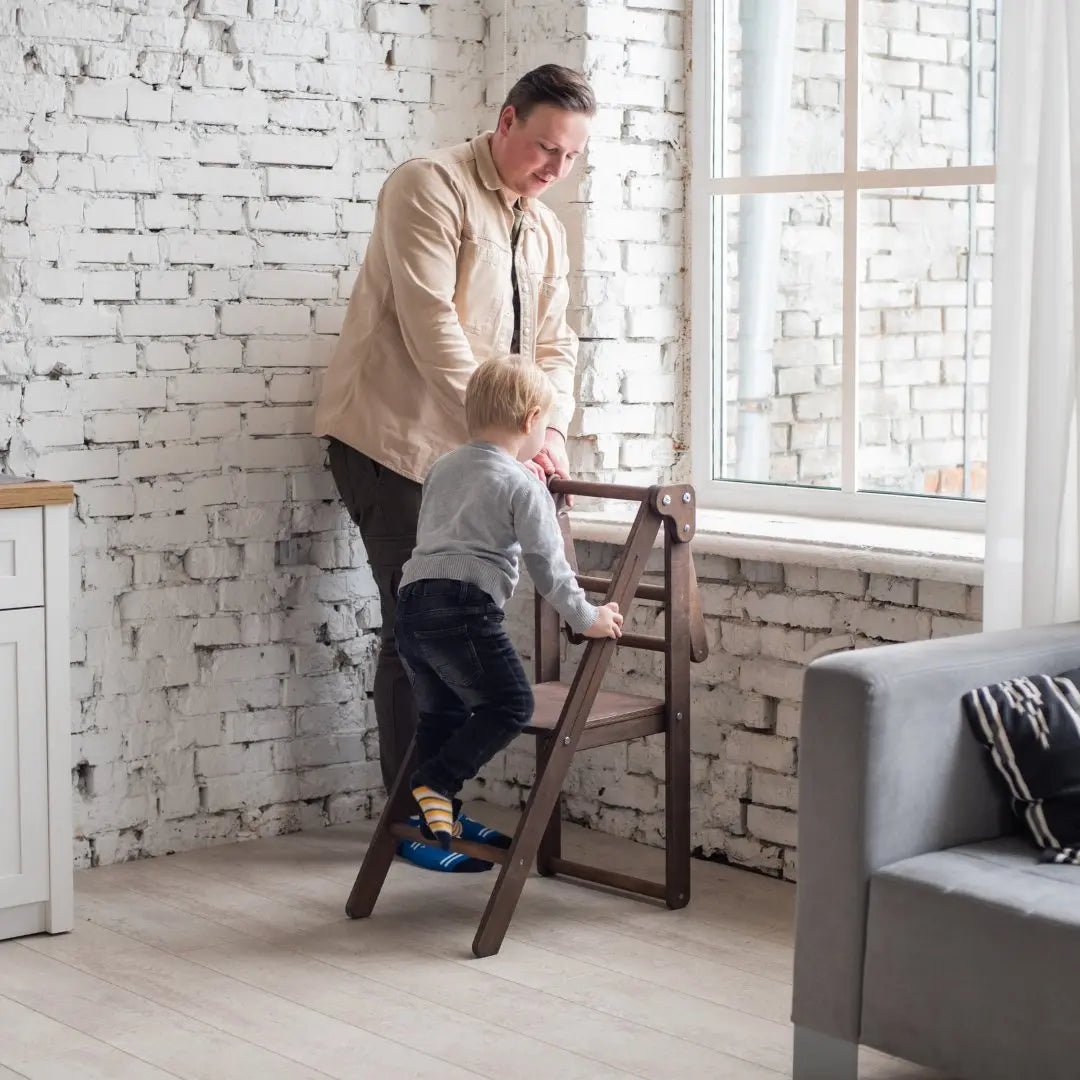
[472,694]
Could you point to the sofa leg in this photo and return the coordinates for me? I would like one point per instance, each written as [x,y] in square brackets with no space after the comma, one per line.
[823,1057]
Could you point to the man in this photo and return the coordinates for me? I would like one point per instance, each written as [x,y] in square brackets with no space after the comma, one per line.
[464,264]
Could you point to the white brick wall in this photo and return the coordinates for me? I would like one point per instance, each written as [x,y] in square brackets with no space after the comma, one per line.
[765,622]
[189,190]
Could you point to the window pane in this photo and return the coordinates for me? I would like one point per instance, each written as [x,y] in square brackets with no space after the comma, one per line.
[924,351]
[918,106]
[778,268]
[780,85]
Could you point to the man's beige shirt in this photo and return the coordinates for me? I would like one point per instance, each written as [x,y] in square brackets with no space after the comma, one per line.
[433,300]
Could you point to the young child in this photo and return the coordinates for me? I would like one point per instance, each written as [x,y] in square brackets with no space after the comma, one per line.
[481,509]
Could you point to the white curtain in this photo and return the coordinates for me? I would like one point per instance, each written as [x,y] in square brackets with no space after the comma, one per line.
[1032,573]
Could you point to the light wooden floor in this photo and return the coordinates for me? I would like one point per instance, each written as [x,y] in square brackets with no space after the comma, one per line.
[238,962]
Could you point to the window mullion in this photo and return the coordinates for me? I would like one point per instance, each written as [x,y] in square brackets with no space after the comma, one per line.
[943,176]
[849,432]
[784,184]
[708,66]
[718,455]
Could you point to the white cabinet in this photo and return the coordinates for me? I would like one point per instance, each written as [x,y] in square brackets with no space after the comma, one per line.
[35,721]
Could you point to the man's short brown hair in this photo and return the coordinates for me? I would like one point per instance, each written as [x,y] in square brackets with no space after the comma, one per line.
[551,84]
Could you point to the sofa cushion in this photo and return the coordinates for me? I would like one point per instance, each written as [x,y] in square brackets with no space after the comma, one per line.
[972,962]
[1031,727]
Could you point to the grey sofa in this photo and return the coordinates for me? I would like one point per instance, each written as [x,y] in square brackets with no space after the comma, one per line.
[925,926]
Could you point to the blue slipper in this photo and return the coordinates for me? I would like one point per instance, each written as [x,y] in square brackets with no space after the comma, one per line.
[433,858]
[481,834]
[465,828]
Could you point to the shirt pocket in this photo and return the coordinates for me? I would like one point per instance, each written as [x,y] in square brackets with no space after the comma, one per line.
[547,285]
[483,284]
[546,289]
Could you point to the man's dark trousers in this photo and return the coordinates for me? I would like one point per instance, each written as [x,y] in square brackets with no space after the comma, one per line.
[385,507]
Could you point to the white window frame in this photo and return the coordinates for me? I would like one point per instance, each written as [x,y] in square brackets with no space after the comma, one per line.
[846,502]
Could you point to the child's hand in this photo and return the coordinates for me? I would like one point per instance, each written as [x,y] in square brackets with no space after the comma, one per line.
[608,623]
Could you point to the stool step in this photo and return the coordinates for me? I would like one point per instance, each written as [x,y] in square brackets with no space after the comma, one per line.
[464,847]
[614,717]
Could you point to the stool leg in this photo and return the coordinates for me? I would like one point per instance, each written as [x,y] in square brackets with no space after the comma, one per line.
[535,818]
[677,814]
[380,852]
[677,564]
[551,844]
[501,904]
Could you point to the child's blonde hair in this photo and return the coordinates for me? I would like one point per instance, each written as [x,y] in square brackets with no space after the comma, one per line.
[502,392]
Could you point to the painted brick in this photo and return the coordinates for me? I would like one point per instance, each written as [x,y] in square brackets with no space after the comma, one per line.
[294,217]
[146,103]
[100,99]
[209,250]
[164,285]
[188,179]
[112,248]
[83,320]
[218,388]
[235,110]
[122,393]
[324,183]
[167,320]
[293,150]
[265,319]
[296,250]
[111,214]
[289,284]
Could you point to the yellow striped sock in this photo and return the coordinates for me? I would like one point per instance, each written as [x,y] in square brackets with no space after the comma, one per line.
[438,813]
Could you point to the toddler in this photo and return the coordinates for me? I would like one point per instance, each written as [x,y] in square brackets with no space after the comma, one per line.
[481,510]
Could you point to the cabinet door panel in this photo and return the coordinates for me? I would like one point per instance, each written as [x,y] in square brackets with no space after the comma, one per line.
[24,792]
[21,564]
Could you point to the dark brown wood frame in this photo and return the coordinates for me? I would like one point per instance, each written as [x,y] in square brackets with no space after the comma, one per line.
[580,715]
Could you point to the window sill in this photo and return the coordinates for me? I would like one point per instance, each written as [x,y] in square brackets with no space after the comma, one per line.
[898,550]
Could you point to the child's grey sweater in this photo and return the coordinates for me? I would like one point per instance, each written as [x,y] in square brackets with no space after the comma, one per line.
[482,509]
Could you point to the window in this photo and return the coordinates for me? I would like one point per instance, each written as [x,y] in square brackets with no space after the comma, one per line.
[843,172]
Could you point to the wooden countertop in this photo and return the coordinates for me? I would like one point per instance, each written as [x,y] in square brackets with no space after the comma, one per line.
[35,493]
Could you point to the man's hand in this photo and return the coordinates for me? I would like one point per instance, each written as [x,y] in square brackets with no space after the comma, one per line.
[552,460]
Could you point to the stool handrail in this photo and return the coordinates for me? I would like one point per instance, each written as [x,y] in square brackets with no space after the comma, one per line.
[646,496]
[594,489]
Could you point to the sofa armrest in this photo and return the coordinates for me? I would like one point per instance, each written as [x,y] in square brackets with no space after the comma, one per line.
[887,770]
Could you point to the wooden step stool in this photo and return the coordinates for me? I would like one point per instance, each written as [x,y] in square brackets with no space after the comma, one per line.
[580,715]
